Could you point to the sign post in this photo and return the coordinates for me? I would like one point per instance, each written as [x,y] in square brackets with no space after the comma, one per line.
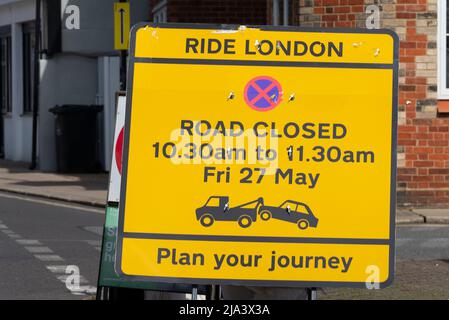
[121,25]
[259,156]
[121,36]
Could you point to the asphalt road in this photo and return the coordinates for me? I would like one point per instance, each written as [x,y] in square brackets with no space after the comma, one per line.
[40,239]
[422,243]
[422,268]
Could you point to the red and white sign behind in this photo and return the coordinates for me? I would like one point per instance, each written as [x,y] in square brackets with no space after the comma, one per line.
[116,165]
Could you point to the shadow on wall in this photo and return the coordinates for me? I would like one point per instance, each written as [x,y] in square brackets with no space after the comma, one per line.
[65,79]
[78,76]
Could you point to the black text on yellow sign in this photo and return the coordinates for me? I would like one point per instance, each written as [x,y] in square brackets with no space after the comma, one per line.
[248,158]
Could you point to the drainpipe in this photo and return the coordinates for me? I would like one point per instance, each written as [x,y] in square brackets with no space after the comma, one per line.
[36,80]
[286,12]
[275,12]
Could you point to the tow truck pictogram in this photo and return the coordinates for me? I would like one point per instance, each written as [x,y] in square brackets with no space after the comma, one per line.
[217,208]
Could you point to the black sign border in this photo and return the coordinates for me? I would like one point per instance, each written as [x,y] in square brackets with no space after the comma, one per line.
[278,283]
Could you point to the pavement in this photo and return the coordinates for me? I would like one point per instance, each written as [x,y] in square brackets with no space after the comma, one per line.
[414,280]
[421,270]
[422,215]
[86,189]
[91,189]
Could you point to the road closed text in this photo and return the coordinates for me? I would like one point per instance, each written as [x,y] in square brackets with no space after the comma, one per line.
[262,129]
[219,144]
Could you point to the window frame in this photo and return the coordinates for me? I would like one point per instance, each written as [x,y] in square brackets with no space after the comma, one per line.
[28,33]
[160,12]
[6,35]
[443,89]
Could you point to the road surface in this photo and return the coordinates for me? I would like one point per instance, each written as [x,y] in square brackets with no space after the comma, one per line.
[43,242]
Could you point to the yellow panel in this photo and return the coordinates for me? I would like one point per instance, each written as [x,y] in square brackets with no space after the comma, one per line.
[332,135]
[255,261]
[256,44]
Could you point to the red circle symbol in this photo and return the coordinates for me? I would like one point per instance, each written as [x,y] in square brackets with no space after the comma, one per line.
[119,150]
[263,93]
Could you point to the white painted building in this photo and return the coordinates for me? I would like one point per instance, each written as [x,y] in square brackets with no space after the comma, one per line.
[78,66]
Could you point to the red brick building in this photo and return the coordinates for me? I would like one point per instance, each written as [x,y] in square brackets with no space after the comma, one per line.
[423,138]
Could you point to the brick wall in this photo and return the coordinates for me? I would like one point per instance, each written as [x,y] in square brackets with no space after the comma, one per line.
[253,12]
[423,138]
[333,13]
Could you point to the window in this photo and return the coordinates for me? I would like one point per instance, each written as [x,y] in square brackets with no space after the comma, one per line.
[289,206]
[5,73]
[303,209]
[213,202]
[160,12]
[28,68]
[443,52]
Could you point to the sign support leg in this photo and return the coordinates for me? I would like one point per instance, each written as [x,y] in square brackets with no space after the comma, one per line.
[194,292]
[123,69]
[214,292]
[311,294]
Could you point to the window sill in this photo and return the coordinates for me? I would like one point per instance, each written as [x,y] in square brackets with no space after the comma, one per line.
[443,106]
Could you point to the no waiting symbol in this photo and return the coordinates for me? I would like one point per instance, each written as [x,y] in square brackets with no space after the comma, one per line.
[263,93]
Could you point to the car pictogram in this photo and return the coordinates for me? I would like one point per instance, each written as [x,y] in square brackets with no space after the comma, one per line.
[291,211]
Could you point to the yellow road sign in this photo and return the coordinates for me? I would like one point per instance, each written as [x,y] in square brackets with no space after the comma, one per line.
[260,156]
[121,25]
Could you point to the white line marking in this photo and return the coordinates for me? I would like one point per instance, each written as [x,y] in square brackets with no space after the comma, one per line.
[2,226]
[57,269]
[14,236]
[94,242]
[98,248]
[64,279]
[199,297]
[29,242]
[6,231]
[39,249]
[426,227]
[98,230]
[88,289]
[435,243]
[55,204]
[84,290]
[48,257]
